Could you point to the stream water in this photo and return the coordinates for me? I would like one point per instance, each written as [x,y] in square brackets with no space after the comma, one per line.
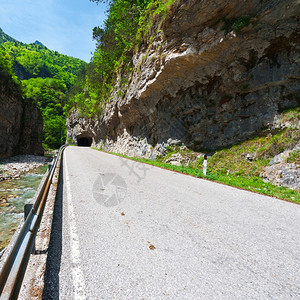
[14,194]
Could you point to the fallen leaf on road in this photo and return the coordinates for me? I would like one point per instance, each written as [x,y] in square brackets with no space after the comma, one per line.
[152,247]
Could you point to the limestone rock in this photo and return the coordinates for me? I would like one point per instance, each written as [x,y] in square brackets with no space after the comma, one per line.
[200,85]
[11,111]
[83,129]
[21,121]
[281,173]
[208,89]
[175,159]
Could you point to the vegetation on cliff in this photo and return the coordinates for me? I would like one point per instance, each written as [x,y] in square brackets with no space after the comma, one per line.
[128,25]
[46,76]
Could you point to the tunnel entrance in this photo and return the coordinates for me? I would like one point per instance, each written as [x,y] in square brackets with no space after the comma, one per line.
[84,141]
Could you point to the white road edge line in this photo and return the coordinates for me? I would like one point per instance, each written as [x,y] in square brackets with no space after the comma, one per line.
[79,287]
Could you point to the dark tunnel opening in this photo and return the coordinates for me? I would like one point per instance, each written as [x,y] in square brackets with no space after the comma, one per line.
[84,141]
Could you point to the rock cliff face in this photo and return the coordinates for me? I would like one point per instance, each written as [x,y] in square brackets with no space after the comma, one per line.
[20,122]
[203,84]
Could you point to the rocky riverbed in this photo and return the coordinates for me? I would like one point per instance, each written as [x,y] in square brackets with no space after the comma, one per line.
[13,167]
[20,177]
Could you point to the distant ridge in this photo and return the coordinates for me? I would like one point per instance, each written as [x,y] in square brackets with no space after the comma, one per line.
[6,38]
[39,43]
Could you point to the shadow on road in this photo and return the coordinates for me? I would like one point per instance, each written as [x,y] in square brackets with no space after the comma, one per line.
[51,280]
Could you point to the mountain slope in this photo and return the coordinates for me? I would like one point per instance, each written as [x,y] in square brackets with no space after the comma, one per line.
[6,38]
[46,76]
[35,60]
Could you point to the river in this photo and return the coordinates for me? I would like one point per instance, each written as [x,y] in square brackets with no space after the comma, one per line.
[14,194]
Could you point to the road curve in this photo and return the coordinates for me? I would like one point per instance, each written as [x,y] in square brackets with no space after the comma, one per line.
[126,230]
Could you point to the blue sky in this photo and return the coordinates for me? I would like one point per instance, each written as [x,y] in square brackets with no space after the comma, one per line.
[62,25]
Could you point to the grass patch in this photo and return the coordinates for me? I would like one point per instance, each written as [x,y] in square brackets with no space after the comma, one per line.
[253,184]
[241,165]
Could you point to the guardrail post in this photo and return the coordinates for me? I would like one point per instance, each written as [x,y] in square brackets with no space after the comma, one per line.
[27,209]
[205,165]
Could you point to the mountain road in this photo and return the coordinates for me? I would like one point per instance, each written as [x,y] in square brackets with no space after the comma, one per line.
[127,230]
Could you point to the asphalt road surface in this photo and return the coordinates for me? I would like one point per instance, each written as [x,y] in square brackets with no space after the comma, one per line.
[126,230]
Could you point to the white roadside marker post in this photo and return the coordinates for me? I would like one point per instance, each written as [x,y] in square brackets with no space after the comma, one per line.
[205,165]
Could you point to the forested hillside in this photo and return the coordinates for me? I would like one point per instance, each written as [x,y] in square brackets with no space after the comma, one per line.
[5,37]
[46,76]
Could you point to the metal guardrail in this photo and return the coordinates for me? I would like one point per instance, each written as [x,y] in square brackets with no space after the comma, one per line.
[13,270]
